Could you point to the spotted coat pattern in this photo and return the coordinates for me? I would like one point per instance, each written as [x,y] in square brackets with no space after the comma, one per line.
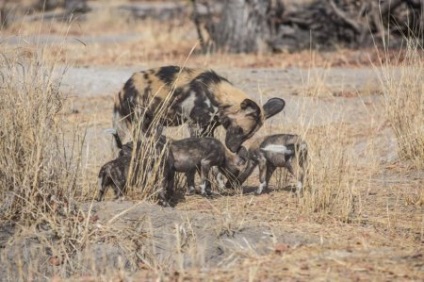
[171,96]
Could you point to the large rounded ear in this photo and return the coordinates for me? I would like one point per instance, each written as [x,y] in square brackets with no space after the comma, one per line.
[250,108]
[273,106]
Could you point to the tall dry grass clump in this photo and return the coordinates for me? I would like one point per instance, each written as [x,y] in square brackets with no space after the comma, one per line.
[38,175]
[331,175]
[41,159]
[33,164]
[404,95]
[146,177]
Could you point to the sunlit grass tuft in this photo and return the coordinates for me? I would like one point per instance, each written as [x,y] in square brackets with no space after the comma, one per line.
[404,96]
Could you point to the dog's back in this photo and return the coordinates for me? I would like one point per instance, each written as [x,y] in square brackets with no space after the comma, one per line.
[189,153]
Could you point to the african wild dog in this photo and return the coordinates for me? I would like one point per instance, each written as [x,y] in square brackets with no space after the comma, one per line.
[201,98]
[274,151]
[201,154]
[114,174]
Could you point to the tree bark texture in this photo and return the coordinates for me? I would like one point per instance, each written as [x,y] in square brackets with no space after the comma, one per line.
[239,26]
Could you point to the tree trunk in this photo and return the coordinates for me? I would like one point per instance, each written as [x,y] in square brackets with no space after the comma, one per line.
[243,26]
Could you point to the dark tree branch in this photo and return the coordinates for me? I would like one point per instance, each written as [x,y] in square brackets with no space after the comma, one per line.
[343,16]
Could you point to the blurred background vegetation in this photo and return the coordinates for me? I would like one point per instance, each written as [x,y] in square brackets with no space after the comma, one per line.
[255,25]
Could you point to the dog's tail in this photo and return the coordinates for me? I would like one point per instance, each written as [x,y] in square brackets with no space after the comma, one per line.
[118,141]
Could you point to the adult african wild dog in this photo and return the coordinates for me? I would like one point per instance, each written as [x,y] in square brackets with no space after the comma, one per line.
[200,98]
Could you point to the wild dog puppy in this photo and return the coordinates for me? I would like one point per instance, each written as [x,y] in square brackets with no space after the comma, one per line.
[201,154]
[114,174]
[274,151]
[200,98]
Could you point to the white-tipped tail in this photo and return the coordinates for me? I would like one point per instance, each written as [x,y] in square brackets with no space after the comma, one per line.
[277,149]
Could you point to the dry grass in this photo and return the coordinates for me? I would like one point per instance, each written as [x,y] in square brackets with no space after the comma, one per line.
[32,143]
[405,103]
[361,217]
